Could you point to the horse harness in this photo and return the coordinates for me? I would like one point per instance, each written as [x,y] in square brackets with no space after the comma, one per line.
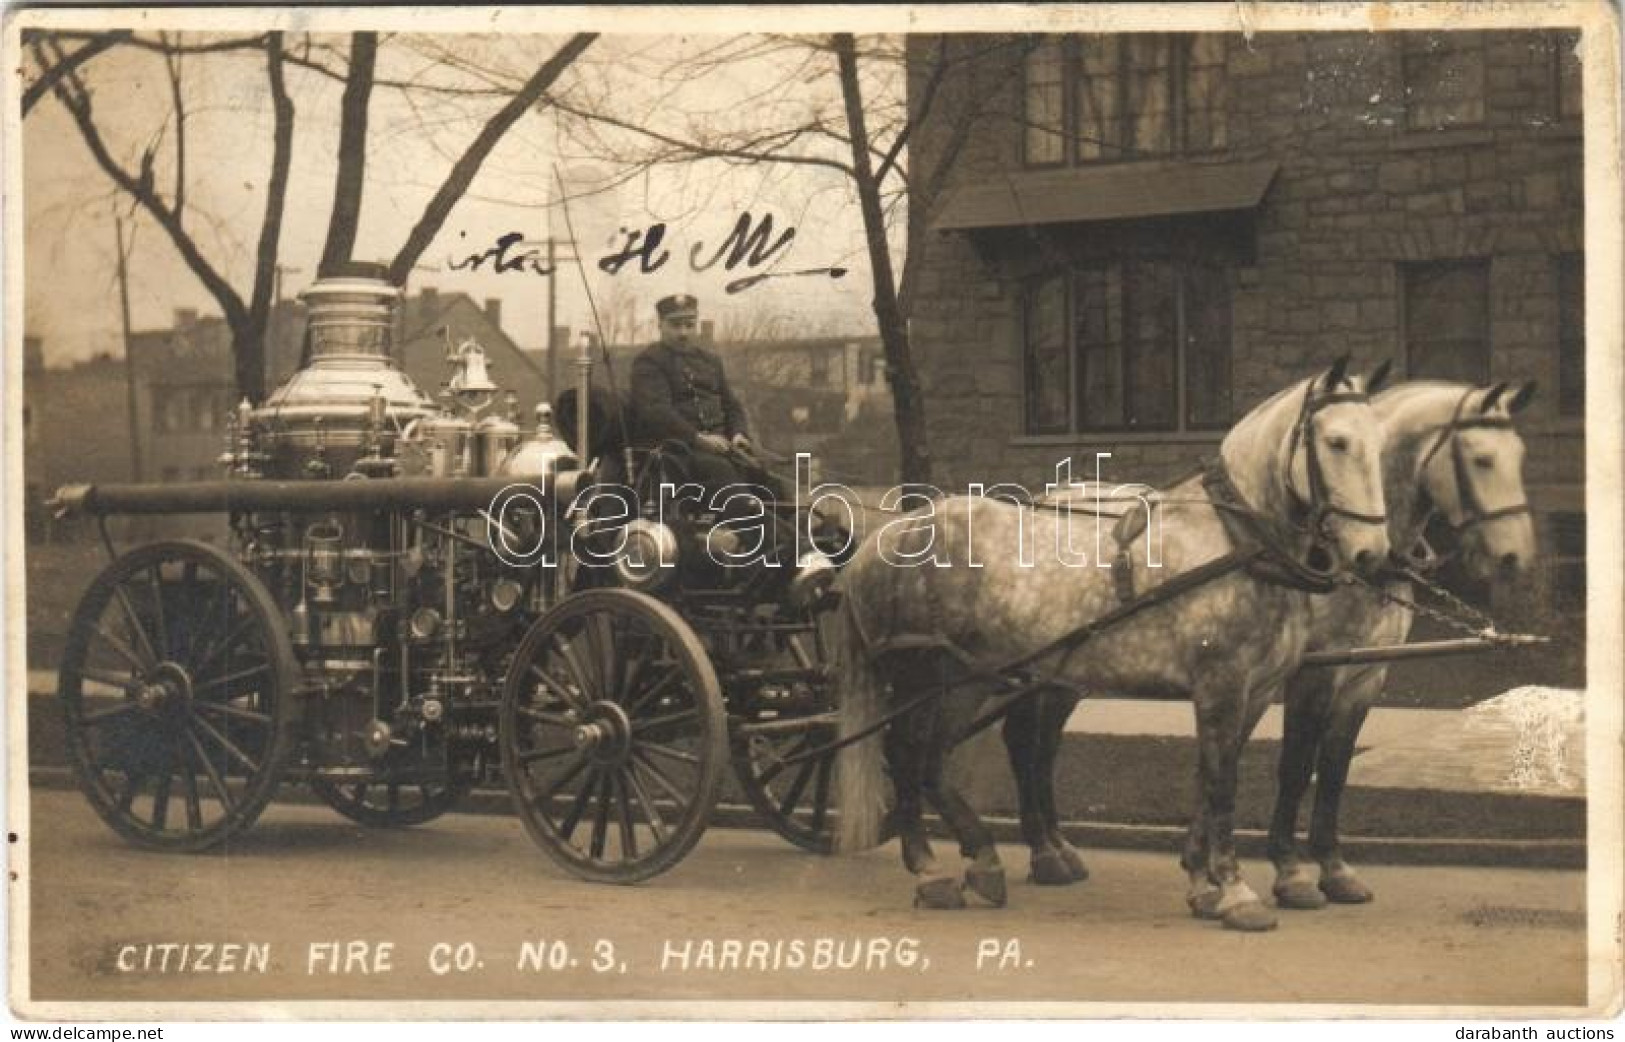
[1260,547]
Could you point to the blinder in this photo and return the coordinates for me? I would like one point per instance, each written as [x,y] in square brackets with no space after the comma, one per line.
[1319,507]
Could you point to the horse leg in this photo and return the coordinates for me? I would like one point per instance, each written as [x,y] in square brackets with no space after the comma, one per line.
[1305,707]
[1222,726]
[933,888]
[1054,712]
[1354,699]
[985,873]
[1022,740]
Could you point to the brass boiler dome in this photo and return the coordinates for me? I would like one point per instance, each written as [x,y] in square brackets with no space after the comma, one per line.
[320,422]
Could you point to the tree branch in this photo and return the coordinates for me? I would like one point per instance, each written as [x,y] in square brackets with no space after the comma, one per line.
[50,75]
[463,171]
[71,92]
[276,188]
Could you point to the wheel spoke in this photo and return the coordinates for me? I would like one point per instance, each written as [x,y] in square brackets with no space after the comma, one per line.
[224,743]
[229,641]
[160,799]
[234,712]
[655,689]
[539,716]
[672,792]
[211,771]
[137,631]
[573,664]
[792,796]
[557,785]
[530,756]
[127,791]
[821,793]
[657,824]
[567,827]
[189,596]
[194,806]
[669,720]
[629,835]
[241,674]
[161,625]
[670,753]
[101,716]
[125,652]
[123,681]
[559,691]
[600,631]
[600,821]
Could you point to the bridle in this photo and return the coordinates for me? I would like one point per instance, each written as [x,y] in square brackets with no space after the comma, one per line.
[1467,495]
[1318,507]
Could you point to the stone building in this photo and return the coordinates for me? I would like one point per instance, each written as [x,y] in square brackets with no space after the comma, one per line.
[1145,235]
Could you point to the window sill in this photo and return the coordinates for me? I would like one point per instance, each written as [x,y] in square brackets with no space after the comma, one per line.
[1110,438]
[1418,140]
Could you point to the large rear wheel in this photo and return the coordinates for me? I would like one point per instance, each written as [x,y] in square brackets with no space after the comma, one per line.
[176,691]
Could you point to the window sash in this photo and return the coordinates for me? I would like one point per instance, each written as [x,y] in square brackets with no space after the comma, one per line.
[1447,320]
[1135,337]
[1444,81]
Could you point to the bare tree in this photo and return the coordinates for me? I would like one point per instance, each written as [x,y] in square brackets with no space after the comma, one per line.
[64,75]
[861,126]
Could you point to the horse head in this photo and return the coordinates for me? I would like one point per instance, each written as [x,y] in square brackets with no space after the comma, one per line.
[1472,472]
[1315,453]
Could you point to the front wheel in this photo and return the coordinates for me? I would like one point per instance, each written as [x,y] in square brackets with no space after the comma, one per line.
[614,736]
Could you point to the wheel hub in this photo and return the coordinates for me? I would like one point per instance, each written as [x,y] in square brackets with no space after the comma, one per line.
[168,688]
[605,732]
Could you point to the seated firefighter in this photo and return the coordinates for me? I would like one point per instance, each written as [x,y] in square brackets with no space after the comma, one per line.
[682,401]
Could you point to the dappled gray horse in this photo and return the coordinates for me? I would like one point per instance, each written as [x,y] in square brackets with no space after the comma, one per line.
[968,588]
[1451,451]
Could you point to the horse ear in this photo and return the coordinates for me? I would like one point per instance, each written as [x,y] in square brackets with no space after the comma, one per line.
[1521,397]
[1379,376]
[1338,371]
[1488,401]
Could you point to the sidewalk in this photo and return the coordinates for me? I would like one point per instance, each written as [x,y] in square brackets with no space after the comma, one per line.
[1528,741]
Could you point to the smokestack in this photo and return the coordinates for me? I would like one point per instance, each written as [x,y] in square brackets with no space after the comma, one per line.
[708,329]
[493,310]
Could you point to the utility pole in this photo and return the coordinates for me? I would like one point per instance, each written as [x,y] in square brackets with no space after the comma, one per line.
[553,259]
[129,354]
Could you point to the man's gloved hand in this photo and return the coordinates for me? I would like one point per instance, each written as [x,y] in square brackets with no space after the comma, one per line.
[712,443]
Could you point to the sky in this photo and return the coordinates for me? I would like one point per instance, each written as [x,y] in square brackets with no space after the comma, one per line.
[685,85]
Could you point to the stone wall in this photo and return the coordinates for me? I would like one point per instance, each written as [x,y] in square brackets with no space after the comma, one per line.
[1358,194]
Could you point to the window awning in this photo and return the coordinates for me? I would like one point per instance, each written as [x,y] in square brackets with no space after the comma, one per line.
[1105,193]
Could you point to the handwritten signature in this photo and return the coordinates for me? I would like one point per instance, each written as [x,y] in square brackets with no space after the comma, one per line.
[750,243]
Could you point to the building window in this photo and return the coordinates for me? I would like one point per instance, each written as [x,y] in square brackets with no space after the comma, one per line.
[1567,566]
[1140,345]
[1571,334]
[1444,80]
[1447,321]
[818,369]
[1125,96]
[1044,143]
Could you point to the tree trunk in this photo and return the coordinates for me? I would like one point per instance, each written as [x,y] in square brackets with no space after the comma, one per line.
[345,219]
[913,444]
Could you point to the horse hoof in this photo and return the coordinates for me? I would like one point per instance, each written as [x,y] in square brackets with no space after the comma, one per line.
[1345,888]
[988,884]
[1204,903]
[1249,917]
[1074,863]
[939,892]
[1050,868]
[1299,894]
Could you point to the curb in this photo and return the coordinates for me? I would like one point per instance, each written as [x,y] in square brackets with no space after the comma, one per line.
[1250,843]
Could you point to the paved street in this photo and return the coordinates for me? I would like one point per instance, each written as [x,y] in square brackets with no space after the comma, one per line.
[303,878]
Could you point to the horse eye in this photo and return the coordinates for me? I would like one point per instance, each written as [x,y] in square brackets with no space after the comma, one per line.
[1337,443]
[1484,462]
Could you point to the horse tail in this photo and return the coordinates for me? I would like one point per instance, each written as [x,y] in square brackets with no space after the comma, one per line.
[859,766]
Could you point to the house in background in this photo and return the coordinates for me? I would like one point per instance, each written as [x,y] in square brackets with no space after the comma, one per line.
[76,430]
[1147,234]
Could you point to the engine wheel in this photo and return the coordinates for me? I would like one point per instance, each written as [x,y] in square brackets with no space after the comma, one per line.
[176,690]
[390,804]
[795,801]
[613,735]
